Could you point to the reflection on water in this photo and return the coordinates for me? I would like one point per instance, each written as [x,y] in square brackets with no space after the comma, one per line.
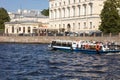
[36,62]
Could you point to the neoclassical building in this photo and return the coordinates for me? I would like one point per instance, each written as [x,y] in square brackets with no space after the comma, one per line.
[24,27]
[75,15]
[26,22]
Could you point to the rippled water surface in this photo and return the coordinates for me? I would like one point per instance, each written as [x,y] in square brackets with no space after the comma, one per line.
[36,62]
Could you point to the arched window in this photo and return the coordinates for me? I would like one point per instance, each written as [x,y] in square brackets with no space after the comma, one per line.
[64,2]
[90,25]
[84,25]
[60,4]
[79,8]
[28,29]
[68,1]
[12,29]
[78,25]
[68,28]
[84,5]
[23,29]
[90,8]
[73,1]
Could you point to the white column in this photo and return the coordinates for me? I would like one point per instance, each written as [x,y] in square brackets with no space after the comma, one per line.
[31,29]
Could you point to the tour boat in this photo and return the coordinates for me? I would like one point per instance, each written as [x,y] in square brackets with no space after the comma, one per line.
[90,47]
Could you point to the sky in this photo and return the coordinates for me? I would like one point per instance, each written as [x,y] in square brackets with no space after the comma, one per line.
[14,5]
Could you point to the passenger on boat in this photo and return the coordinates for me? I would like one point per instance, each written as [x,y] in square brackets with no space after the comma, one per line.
[97,47]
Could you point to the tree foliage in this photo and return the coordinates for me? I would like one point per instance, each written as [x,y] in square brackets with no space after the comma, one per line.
[117,3]
[4,17]
[45,12]
[110,18]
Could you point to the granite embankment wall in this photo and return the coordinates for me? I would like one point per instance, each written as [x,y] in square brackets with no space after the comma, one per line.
[48,39]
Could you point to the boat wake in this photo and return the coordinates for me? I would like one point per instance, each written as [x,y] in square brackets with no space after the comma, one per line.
[113,53]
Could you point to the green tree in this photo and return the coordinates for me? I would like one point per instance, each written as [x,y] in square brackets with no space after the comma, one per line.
[4,17]
[117,3]
[45,12]
[110,18]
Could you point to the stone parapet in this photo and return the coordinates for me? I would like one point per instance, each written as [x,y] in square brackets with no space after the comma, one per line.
[48,39]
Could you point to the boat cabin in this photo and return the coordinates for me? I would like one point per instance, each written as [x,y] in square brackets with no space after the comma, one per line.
[64,43]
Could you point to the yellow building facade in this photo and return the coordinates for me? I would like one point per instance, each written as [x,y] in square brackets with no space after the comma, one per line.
[75,15]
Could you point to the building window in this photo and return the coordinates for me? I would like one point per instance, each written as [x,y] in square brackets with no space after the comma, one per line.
[68,12]
[78,25]
[64,11]
[64,2]
[51,26]
[90,25]
[55,13]
[84,25]
[64,26]
[55,4]
[7,31]
[73,1]
[12,29]
[28,29]
[19,28]
[73,11]
[79,10]
[91,6]
[60,13]
[51,14]
[59,26]
[51,5]
[68,1]
[55,25]
[23,29]
[60,4]
[84,9]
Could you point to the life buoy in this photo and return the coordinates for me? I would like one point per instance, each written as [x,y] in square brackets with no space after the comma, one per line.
[97,47]
[87,46]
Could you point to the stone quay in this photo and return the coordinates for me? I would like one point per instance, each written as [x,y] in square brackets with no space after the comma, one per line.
[48,39]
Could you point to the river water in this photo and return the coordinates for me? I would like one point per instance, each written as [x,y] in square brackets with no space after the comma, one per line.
[36,62]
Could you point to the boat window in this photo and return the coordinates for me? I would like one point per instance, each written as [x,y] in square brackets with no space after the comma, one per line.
[53,42]
[58,44]
[64,44]
[74,43]
[69,44]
